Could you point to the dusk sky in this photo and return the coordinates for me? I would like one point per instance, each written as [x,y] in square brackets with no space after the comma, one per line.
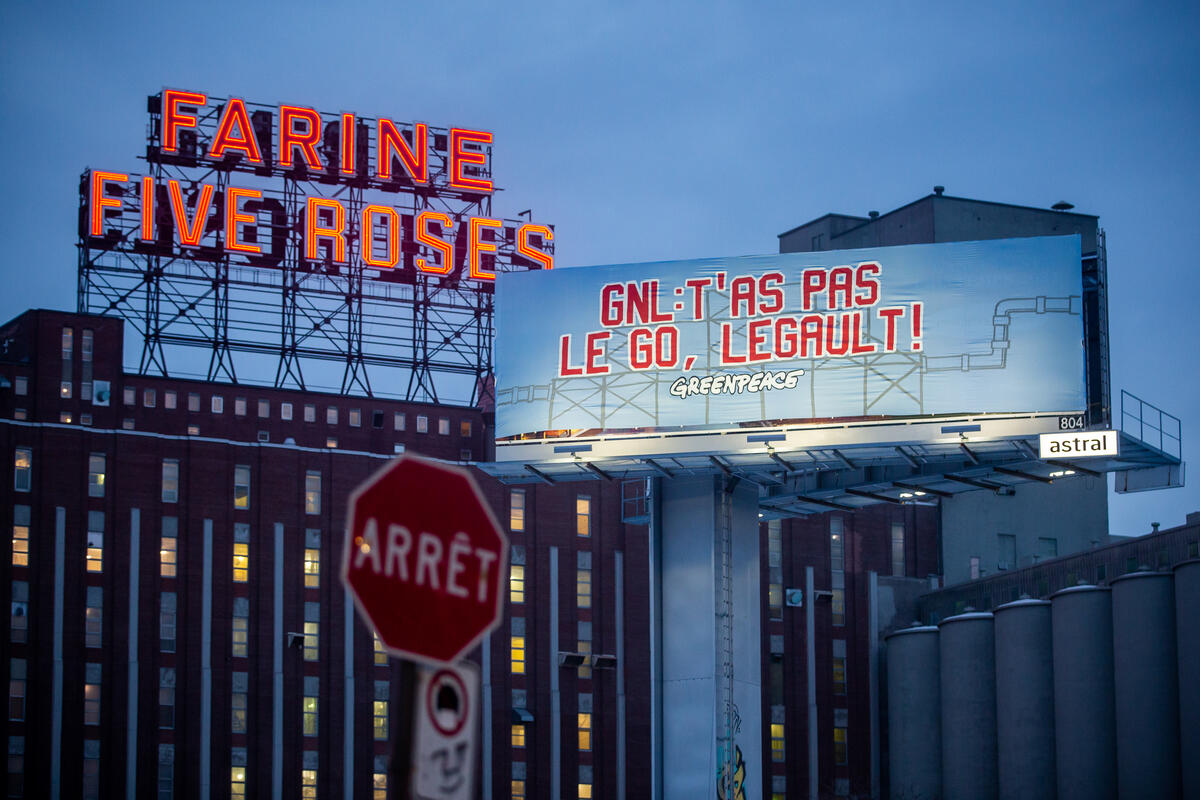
[647,132]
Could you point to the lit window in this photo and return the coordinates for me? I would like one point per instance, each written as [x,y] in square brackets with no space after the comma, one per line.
[311,690]
[308,784]
[898,548]
[585,649]
[839,666]
[16,689]
[516,583]
[68,355]
[170,399]
[241,562]
[518,790]
[95,541]
[149,398]
[23,469]
[516,512]
[585,731]
[312,629]
[379,785]
[93,621]
[583,515]
[237,777]
[839,606]
[96,475]
[20,536]
[264,409]
[583,588]
[312,568]
[518,735]
[380,654]
[20,413]
[312,493]
[129,395]
[422,423]
[285,412]
[355,418]
[380,711]
[66,417]
[464,428]
[168,554]
[239,406]
[777,743]
[166,623]
[238,705]
[585,791]
[310,413]
[839,745]
[170,480]
[331,442]
[193,401]
[443,426]
[517,654]
[241,487]
[218,404]
[91,694]
[331,415]
[398,420]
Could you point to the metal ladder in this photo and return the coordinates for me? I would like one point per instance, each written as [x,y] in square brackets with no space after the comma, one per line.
[724,629]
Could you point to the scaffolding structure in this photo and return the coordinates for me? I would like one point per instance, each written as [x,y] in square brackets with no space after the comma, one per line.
[398,332]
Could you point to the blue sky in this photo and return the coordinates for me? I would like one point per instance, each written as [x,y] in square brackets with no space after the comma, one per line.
[679,130]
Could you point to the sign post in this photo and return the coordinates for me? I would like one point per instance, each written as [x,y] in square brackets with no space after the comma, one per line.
[425,561]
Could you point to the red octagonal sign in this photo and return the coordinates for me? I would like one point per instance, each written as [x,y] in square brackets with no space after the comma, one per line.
[425,559]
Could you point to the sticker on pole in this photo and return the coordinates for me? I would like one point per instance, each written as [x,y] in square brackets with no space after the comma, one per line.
[446,732]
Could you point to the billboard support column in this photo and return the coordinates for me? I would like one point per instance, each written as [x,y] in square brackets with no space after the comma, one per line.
[706,598]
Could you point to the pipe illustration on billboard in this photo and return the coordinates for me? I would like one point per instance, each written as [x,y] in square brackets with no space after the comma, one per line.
[879,333]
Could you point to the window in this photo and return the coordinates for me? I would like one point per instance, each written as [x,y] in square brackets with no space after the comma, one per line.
[310,413]
[585,649]
[331,415]
[777,742]
[68,355]
[518,790]
[193,430]
[584,724]
[239,406]
[443,426]
[170,399]
[20,536]
[839,666]
[285,412]
[1007,545]
[585,791]
[355,418]
[379,781]
[380,711]
[127,424]
[308,784]
[65,417]
[85,419]
[238,703]
[168,551]
[377,419]
[898,548]
[837,564]
[264,409]
[1101,572]
[312,630]
[1047,548]
[331,442]
[518,735]
[87,340]
[91,769]
[837,560]
[839,744]
[516,583]
[240,643]
[166,771]
[398,420]
[193,401]
[91,694]
[312,568]
[973,567]
[237,782]
[381,656]
[775,600]
[23,469]
[241,487]
[170,480]
[312,688]
[167,623]
[422,423]
[312,492]
[21,385]
[16,689]
[93,621]
[18,622]
[95,541]
[129,396]
[517,654]
[241,562]
[149,398]
[583,515]
[218,404]
[516,510]
[464,428]
[839,606]
[166,697]
[583,587]
[20,413]
[96,475]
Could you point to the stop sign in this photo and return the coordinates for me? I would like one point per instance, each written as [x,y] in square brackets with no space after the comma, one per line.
[425,559]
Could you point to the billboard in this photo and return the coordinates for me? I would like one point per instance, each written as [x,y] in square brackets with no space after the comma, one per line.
[991,327]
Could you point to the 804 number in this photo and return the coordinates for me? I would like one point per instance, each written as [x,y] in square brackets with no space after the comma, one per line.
[1074,422]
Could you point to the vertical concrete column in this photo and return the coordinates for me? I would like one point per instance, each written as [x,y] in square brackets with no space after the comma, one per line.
[1187,639]
[1025,701]
[1147,689]
[914,714]
[689,567]
[967,667]
[1084,717]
